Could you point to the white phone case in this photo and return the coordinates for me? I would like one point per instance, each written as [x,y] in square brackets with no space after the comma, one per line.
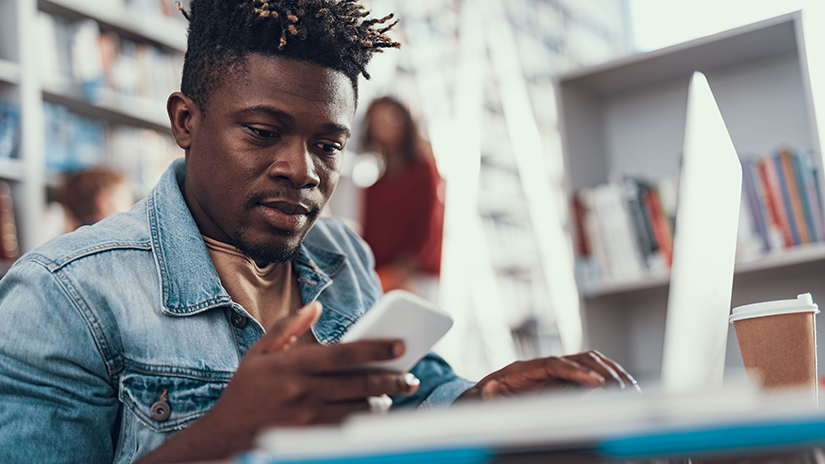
[402,315]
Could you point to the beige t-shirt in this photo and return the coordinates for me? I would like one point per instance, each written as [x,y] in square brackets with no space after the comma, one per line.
[268,294]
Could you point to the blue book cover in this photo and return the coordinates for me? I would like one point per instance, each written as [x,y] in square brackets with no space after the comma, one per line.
[9,129]
[786,197]
[803,196]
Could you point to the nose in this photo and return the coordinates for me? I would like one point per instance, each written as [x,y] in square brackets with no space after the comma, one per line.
[294,163]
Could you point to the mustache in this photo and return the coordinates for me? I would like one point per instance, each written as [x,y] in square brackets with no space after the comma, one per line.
[314,206]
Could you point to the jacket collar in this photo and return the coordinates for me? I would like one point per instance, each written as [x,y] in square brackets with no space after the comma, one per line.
[189,282]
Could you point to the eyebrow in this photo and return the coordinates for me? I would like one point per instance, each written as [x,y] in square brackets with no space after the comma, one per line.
[289,119]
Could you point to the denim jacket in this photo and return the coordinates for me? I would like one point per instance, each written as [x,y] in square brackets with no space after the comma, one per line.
[99,323]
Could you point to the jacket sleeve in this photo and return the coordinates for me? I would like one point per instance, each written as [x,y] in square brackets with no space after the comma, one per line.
[440,386]
[58,402]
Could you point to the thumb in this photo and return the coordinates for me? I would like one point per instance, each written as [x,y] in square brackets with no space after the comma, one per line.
[285,331]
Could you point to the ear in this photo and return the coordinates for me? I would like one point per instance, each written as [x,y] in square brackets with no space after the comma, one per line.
[184,115]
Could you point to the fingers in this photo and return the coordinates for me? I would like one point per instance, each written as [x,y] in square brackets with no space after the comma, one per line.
[359,385]
[606,367]
[571,371]
[630,382]
[346,356]
[285,331]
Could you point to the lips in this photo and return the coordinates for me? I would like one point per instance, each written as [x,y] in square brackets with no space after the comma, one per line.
[284,215]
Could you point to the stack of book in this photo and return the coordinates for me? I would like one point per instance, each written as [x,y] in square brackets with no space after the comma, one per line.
[784,200]
[624,229]
[72,142]
[9,129]
[103,65]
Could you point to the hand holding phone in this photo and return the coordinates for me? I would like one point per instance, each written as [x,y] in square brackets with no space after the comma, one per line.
[402,315]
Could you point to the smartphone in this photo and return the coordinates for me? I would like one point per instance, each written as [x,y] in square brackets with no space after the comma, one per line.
[401,315]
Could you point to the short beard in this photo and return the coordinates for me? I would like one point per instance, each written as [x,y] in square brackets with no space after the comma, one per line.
[264,254]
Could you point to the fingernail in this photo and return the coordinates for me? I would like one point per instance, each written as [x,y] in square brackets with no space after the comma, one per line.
[397,349]
[596,376]
[411,380]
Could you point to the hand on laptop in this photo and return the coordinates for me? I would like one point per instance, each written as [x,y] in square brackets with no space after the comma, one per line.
[590,369]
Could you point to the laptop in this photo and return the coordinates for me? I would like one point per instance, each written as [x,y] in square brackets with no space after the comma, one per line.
[704,248]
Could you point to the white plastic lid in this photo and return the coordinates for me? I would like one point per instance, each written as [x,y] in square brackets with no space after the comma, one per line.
[803,303]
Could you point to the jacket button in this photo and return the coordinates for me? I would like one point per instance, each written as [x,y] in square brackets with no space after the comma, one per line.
[160,411]
[239,321]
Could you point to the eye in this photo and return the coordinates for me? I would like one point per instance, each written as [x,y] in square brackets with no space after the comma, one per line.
[328,148]
[263,133]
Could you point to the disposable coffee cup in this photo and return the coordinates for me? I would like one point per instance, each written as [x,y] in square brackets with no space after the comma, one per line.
[777,340]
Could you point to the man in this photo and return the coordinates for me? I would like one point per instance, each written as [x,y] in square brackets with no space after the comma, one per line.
[143,335]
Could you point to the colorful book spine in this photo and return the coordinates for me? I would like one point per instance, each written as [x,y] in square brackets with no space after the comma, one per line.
[582,245]
[811,181]
[750,176]
[660,225]
[594,233]
[802,192]
[775,201]
[791,193]
[646,243]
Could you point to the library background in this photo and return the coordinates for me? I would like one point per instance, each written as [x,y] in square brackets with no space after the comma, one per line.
[556,124]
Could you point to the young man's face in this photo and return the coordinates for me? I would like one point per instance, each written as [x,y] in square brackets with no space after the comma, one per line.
[265,157]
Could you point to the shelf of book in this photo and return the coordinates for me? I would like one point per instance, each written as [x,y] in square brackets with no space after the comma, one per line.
[153,27]
[9,72]
[11,169]
[790,257]
[622,134]
[114,108]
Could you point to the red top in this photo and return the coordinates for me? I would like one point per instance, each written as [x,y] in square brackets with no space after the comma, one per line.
[404,217]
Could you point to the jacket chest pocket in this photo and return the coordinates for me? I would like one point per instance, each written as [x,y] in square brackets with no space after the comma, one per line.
[166,399]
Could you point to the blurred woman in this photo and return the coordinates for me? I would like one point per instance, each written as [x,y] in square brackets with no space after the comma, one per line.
[403,212]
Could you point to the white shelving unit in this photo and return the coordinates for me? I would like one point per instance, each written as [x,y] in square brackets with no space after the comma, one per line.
[132,24]
[628,117]
[21,83]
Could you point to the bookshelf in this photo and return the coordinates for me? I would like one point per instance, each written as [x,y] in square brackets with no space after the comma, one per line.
[34,73]
[135,25]
[627,117]
[114,108]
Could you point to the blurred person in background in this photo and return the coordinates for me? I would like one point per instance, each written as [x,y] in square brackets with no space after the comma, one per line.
[403,214]
[92,195]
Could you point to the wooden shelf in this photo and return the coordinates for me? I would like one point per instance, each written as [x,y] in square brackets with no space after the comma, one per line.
[11,169]
[797,255]
[132,24]
[115,109]
[9,72]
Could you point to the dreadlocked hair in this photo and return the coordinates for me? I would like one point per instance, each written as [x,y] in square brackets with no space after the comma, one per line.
[332,33]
